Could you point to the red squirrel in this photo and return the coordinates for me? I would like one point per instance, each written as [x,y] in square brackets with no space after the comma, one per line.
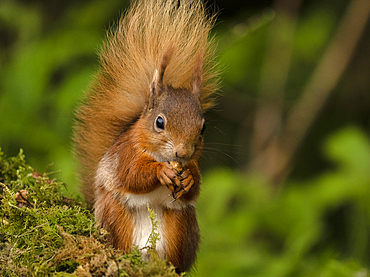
[139,132]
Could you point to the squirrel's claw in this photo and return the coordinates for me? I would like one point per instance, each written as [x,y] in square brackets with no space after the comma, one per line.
[175,197]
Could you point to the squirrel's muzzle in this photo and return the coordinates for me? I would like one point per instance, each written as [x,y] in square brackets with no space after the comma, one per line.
[183,151]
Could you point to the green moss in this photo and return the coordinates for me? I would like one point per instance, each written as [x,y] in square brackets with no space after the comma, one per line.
[44,233]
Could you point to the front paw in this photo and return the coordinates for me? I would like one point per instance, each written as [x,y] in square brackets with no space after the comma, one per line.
[168,177]
[187,181]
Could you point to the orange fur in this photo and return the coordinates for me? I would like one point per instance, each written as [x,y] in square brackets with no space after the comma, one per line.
[182,237]
[115,219]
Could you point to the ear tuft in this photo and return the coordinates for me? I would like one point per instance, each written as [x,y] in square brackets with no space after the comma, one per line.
[157,83]
[154,86]
[196,83]
[166,58]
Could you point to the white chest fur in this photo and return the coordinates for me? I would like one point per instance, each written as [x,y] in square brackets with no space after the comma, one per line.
[143,228]
[159,200]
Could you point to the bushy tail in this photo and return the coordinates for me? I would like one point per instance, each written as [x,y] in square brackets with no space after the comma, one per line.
[128,61]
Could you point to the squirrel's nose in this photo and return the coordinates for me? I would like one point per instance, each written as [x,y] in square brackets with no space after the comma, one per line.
[183,152]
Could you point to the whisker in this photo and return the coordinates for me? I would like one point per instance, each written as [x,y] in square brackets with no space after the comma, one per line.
[218,129]
[222,144]
[221,152]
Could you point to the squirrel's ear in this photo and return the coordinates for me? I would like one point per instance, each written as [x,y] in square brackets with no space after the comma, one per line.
[156,87]
[196,84]
[155,90]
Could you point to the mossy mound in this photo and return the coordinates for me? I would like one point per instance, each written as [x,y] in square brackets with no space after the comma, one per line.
[44,233]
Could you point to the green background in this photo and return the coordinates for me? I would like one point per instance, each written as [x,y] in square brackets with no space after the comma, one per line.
[259,216]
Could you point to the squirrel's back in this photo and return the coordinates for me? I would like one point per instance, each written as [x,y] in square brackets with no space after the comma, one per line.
[131,55]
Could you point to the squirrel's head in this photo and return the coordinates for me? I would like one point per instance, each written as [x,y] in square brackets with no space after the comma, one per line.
[173,118]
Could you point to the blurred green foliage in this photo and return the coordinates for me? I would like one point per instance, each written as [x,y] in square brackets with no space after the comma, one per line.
[250,230]
[317,224]
[43,75]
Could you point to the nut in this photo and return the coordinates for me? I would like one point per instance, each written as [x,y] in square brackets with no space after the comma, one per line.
[176,166]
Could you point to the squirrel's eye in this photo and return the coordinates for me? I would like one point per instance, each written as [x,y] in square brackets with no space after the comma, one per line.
[159,123]
[203,129]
